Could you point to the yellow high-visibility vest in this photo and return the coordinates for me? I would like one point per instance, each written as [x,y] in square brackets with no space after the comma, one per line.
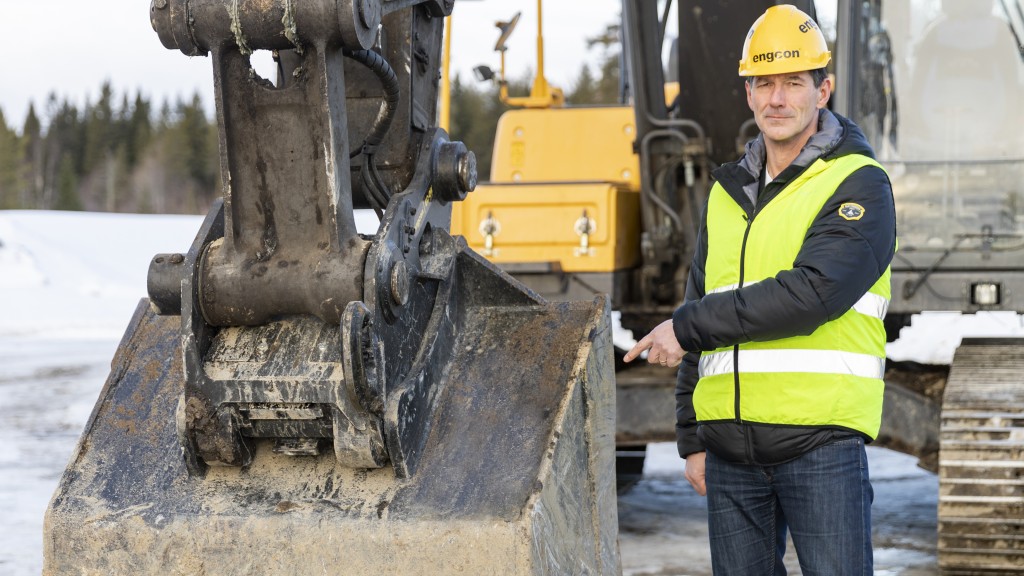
[832,377]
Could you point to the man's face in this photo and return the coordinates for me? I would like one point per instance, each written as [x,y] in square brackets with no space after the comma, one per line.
[786,106]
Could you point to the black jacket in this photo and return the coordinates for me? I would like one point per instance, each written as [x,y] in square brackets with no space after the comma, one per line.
[838,262]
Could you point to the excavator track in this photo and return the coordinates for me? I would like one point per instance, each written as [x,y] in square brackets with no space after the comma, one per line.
[981,460]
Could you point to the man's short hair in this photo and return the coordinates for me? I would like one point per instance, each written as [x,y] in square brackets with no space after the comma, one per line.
[818,76]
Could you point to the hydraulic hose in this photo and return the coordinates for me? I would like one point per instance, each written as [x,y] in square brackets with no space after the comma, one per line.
[374,188]
[392,94]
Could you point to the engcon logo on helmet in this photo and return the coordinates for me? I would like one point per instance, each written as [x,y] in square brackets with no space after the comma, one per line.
[783,40]
[771,56]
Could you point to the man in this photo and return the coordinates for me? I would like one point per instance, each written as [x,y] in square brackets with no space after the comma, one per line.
[782,325]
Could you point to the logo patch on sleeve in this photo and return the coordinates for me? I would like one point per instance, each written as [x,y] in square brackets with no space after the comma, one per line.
[851,211]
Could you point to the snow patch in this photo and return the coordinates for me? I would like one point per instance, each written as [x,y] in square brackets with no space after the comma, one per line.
[17,264]
[933,337]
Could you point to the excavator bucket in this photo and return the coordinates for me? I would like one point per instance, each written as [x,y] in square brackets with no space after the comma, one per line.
[516,475]
[295,397]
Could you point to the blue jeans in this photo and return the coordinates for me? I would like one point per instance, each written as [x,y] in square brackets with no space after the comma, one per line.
[823,497]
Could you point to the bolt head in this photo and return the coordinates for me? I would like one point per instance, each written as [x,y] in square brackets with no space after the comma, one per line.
[454,172]
[369,13]
[467,171]
[400,283]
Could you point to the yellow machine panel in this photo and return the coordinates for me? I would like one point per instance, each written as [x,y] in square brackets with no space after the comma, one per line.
[565,145]
[579,226]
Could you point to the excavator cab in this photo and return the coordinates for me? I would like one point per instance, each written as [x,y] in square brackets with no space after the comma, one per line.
[937,86]
[295,397]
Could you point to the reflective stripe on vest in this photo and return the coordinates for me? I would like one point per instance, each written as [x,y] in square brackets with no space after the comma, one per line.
[793,362]
[873,305]
[832,377]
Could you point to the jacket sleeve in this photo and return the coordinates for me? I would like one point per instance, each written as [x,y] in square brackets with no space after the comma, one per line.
[839,261]
[687,441]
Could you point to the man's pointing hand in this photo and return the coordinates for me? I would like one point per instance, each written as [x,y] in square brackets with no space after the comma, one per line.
[663,347]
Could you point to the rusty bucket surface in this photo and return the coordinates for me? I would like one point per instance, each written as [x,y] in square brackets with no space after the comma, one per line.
[516,476]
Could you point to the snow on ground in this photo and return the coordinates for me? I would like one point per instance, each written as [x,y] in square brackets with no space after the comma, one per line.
[76,274]
[69,283]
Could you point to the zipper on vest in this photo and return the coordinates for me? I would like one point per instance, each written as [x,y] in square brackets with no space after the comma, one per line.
[736,348]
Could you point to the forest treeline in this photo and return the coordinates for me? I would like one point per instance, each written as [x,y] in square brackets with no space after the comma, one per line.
[116,154]
[120,153]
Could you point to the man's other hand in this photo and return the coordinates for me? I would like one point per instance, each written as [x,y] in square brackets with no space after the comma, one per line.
[695,472]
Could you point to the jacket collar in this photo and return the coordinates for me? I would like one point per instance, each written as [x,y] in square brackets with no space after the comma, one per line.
[836,136]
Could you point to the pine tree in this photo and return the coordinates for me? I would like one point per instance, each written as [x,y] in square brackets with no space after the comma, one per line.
[609,83]
[99,129]
[67,186]
[9,162]
[138,132]
[64,139]
[584,90]
[199,154]
[32,159]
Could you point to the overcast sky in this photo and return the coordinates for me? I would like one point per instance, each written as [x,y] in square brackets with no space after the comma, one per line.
[71,46]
